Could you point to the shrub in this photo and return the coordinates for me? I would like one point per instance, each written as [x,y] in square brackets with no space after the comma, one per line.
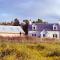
[7,52]
[54,53]
[22,56]
[38,47]
[3,45]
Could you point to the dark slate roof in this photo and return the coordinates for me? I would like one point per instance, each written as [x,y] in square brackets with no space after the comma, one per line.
[45,26]
[30,28]
[41,27]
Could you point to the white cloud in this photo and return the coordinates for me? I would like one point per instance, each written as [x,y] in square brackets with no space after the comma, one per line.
[45,9]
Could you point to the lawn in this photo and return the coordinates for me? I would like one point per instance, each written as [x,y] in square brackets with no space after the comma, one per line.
[28,51]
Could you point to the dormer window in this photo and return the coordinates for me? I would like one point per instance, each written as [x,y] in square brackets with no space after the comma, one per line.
[54,27]
[43,35]
[33,27]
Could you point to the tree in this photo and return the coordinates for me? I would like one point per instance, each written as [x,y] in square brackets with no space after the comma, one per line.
[16,22]
[39,21]
[34,22]
[25,27]
[26,21]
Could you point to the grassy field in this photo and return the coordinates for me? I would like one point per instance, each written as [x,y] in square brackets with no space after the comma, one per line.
[28,51]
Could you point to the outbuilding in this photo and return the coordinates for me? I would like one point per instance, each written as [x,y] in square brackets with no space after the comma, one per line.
[11,31]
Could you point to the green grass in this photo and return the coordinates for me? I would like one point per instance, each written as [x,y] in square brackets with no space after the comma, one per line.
[26,51]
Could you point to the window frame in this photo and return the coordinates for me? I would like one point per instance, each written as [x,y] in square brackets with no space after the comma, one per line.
[55,35]
[33,34]
[54,27]
[44,35]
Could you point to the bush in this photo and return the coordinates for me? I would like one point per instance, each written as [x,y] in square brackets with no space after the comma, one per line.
[54,53]
[22,56]
[38,47]
[3,45]
[7,52]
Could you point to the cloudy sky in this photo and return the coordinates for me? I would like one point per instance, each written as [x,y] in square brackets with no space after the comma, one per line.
[48,10]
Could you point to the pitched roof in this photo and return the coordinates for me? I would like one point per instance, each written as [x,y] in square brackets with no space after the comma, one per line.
[45,26]
[11,29]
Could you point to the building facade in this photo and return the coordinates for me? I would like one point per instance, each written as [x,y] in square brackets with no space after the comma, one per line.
[44,30]
[11,31]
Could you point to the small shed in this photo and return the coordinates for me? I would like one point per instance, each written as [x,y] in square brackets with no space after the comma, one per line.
[11,31]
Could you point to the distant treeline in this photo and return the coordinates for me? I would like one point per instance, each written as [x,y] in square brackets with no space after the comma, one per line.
[17,23]
[24,24]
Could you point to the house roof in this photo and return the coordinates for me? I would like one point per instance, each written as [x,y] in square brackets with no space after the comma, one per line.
[10,29]
[45,26]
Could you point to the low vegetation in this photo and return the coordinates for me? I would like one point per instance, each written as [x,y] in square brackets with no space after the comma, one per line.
[29,51]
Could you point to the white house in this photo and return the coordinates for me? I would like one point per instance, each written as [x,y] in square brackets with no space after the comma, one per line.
[11,31]
[44,30]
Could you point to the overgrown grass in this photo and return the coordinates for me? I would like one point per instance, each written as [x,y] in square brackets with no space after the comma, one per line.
[26,51]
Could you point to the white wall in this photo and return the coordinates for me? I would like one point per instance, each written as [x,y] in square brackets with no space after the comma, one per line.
[33,32]
[50,34]
[11,35]
[43,32]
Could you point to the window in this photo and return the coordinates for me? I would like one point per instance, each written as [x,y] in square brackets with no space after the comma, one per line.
[43,35]
[34,28]
[33,34]
[54,35]
[54,28]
